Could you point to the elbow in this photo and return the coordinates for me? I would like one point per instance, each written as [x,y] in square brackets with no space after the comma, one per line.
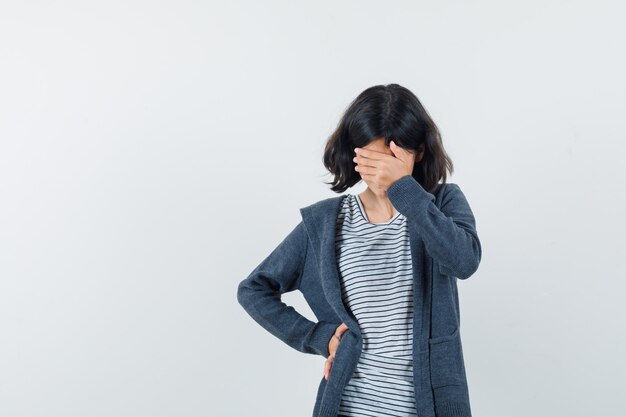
[250,295]
[468,270]
[462,262]
[243,294]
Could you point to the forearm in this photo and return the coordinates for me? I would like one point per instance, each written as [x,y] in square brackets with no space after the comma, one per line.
[449,234]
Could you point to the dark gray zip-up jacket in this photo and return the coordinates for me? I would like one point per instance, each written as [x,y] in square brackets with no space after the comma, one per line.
[444,247]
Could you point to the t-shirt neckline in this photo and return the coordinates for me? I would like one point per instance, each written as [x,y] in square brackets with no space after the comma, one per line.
[364,216]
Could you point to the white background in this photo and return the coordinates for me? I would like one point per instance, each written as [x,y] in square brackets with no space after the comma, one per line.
[153,153]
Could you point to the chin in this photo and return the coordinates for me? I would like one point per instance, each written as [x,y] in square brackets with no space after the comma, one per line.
[378,191]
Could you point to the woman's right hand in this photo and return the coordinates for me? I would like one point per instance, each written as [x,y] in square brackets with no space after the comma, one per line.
[333,344]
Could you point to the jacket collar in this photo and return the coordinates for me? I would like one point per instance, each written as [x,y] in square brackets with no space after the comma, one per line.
[320,220]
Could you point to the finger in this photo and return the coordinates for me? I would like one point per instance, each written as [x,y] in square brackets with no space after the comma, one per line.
[370,154]
[360,160]
[328,365]
[399,152]
[365,170]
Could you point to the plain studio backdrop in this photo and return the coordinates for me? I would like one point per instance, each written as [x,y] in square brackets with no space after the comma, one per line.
[153,153]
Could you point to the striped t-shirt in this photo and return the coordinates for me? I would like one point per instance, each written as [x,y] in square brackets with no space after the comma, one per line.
[375,266]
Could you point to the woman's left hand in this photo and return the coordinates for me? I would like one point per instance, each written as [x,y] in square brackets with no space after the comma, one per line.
[382,169]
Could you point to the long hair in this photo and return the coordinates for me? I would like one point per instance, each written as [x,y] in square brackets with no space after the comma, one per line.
[392,112]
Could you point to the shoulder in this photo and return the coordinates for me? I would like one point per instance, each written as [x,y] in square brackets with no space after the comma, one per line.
[319,218]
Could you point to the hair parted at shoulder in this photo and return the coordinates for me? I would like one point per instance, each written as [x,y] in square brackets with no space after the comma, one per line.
[392,112]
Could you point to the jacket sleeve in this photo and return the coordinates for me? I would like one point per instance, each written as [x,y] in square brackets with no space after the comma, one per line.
[260,295]
[449,233]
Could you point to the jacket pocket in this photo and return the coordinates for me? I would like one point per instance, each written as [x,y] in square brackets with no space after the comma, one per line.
[446,360]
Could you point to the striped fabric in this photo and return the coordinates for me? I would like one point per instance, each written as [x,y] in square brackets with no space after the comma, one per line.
[374,261]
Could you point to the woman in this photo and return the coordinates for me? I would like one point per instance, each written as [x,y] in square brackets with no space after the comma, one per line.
[378,268]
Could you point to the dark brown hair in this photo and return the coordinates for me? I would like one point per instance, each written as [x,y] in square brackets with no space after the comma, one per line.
[392,112]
